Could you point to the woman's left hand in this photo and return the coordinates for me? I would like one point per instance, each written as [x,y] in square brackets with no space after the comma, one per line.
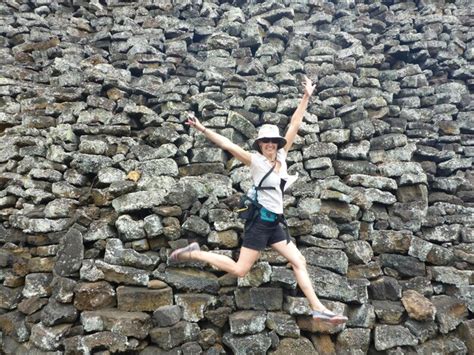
[308,86]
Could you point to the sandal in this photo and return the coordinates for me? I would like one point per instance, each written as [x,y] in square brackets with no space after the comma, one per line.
[174,256]
[329,317]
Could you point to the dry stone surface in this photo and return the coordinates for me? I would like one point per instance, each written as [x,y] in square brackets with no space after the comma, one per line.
[100,177]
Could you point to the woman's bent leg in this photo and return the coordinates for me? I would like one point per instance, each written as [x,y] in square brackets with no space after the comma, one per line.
[298,262]
[239,268]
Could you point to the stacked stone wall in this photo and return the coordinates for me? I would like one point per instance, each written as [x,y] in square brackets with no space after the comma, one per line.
[100,178]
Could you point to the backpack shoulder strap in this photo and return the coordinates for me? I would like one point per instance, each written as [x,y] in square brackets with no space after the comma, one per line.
[259,187]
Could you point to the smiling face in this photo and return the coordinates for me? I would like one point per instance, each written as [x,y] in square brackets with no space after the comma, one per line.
[268,147]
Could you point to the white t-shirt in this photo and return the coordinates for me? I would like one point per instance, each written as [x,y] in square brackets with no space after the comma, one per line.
[272,199]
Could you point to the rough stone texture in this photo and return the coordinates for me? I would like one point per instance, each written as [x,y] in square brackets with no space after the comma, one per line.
[249,344]
[100,177]
[94,295]
[390,336]
[247,322]
[289,346]
[134,299]
[135,324]
[170,337]
[70,254]
[417,306]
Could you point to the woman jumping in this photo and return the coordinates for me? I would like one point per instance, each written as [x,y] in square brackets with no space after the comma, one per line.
[269,164]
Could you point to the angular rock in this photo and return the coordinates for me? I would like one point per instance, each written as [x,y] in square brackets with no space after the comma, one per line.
[361,316]
[359,251]
[466,333]
[452,276]
[289,346]
[443,345]
[129,229]
[132,324]
[445,233]
[95,295]
[152,226]
[140,299]
[140,200]
[422,330]
[296,306]
[284,277]
[334,260]
[14,324]
[170,337]
[390,336]
[247,322]
[37,284]
[308,324]
[391,241]
[267,298]
[331,285]
[418,307]
[224,239]
[376,182]
[317,150]
[385,288]
[100,340]
[388,141]
[388,312]
[249,344]
[90,164]
[9,297]
[30,305]
[370,271]
[450,312]
[70,254]
[55,313]
[340,211]
[190,280]
[194,305]
[48,338]
[60,208]
[196,225]
[166,316]
[99,231]
[123,274]
[352,167]
[116,254]
[283,324]
[218,316]
[406,266]
[258,275]
[355,339]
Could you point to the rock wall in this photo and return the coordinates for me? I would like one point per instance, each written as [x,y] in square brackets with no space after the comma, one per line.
[100,178]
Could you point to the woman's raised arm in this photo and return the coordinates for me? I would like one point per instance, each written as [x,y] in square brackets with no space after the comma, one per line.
[297,117]
[221,141]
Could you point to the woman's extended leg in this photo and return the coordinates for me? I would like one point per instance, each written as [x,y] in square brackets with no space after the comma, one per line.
[298,262]
[239,268]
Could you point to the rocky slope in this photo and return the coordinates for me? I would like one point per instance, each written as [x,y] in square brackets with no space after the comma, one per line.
[100,178]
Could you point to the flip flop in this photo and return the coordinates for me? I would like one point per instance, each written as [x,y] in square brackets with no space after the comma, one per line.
[174,256]
[329,317]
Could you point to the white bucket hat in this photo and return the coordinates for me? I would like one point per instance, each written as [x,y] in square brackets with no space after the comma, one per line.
[269,131]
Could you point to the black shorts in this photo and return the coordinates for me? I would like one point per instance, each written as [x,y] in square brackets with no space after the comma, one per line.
[262,234]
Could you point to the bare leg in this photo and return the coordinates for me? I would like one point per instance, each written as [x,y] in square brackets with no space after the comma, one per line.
[298,262]
[239,268]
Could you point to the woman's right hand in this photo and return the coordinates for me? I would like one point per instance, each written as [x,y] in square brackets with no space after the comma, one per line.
[194,122]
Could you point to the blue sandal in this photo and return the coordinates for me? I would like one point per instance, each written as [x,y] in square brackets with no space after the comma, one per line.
[329,317]
[174,256]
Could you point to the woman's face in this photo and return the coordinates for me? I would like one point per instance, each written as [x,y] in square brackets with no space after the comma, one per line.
[268,147]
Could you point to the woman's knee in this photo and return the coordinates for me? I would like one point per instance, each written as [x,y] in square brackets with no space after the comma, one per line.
[299,263]
[241,271]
